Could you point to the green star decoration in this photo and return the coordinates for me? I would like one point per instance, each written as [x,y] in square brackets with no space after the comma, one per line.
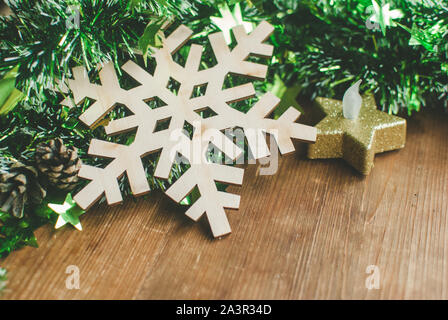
[356,141]
[68,212]
[229,20]
[384,16]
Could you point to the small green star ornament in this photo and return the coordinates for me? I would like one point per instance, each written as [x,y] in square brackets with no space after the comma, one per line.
[68,212]
[384,16]
[229,20]
[356,134]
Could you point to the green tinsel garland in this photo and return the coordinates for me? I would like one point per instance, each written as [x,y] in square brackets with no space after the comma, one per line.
[319,44]
[322,45]
[327,45]
[109,30]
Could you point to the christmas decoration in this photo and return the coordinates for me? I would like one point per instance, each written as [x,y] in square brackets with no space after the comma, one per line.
[59,164]
[383,16]
[321,45]
[405,68]
[355,131]
[68,212]
[229,20]
[18,186]
[182,107]
[16,233]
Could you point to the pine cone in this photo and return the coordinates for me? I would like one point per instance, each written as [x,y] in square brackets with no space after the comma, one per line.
[19,185]
[58,164]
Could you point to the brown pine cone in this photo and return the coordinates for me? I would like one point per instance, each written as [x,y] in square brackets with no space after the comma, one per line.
[58,164]
[18,186]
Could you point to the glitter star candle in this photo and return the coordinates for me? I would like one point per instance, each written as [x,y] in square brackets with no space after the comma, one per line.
[355,130]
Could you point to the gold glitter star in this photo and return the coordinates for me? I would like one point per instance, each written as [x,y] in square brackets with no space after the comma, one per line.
[356,141]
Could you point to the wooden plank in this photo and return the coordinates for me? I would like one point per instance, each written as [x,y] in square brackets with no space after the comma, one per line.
[114,252]
[308,232]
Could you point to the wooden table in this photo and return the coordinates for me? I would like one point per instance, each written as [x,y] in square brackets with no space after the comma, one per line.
[308,232]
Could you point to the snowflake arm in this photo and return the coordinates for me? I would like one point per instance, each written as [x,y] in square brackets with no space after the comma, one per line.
[212,202]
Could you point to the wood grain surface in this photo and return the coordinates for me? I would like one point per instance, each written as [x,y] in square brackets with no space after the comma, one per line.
[308,232]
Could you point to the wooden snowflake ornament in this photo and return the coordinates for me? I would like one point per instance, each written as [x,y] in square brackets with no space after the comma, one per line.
[181,108]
